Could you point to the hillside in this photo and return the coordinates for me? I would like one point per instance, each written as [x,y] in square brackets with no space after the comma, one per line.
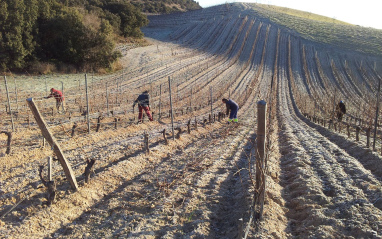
[188,173]
[323,29]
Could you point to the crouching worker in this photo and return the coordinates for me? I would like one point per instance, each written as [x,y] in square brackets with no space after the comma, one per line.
[143,101]
[59,99]
[233,107]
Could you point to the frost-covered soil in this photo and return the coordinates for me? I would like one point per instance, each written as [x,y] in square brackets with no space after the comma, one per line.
[320,184]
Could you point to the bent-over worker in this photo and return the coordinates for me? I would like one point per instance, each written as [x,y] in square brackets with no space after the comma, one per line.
[233,107]
[59,98]
[143,102]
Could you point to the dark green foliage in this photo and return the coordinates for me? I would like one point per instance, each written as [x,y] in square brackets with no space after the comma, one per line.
[166,6]
[100,53]
[131,18]
[17,26]
[77,33]
[62,38]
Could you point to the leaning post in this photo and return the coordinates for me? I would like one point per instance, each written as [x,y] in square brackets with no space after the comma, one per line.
[53,143]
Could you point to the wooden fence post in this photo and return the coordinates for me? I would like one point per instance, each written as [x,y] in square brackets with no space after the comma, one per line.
[212,112]
[9,103]
[191,101]
[98,123]
[146,142]
[376,113]
[87,102]
[50,168]
[339,126]
[52,141]
[17,102]
[348,129]
[334,102]
[107,101]
[160,101]
[260,158]
[172,115]
[357,129]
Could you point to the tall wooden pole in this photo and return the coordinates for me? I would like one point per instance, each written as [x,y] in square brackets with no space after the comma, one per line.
[50,169]
[62,87]
[172,115]
[376,112]
[53,143]
[9,103]
[191,101]
[87,102]
[334,104]
[260,156]
[107,101]
[17,102]
[160,101]
[212,113]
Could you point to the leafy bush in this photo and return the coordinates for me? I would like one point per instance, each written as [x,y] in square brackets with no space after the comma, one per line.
[69,32]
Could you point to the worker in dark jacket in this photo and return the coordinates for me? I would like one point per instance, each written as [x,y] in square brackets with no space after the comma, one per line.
[341,110]
[233,107]
[59,97]
[143,102]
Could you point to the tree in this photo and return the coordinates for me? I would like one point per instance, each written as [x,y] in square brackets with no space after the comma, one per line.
[17,23]
[62,38]
[131,18]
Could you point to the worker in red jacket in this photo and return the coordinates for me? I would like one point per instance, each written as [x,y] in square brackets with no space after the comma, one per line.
[59,98]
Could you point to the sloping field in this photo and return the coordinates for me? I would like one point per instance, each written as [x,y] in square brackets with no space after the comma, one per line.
[319,183]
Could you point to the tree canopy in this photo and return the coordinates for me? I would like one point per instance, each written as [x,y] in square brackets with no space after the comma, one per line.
[64,32]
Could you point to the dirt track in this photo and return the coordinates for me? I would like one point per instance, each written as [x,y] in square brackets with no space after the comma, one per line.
[320,184]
